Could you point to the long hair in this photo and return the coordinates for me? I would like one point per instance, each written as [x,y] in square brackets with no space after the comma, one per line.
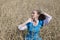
[41,15]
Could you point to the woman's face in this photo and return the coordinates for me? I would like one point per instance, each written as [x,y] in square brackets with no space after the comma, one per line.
[35,14]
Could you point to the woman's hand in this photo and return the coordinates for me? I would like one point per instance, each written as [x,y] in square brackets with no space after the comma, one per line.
[29,20]
[23,26]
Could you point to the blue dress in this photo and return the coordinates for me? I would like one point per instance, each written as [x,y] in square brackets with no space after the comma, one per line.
[33,31]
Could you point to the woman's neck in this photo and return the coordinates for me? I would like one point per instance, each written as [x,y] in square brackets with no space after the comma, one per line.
[35,22]
[35,19]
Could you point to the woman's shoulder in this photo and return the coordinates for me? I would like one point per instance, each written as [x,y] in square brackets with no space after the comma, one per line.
[41,22]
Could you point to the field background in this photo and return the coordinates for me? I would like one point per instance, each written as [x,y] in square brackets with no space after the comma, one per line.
[15,12]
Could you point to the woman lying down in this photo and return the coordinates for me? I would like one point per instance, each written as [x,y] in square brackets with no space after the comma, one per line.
[34,24]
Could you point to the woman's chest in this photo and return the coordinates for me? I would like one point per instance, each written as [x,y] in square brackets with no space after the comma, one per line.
[34,28]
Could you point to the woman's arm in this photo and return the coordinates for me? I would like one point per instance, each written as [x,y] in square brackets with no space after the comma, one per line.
[23,26]
[48,18]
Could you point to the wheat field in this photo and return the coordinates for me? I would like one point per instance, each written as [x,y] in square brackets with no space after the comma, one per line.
[15,12]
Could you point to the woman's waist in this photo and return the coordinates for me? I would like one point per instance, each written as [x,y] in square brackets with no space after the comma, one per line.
[33,33]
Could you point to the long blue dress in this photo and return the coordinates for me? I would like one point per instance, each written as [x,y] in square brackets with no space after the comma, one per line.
[33,31]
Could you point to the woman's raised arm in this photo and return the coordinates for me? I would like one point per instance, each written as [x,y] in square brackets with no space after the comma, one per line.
[23,26]
[48,18]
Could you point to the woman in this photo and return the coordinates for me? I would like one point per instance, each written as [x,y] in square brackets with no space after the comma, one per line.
[34,24]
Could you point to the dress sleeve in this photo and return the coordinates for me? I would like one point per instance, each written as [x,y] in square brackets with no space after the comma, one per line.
[41,23]
[47,20]
[28,24]
[22,28]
